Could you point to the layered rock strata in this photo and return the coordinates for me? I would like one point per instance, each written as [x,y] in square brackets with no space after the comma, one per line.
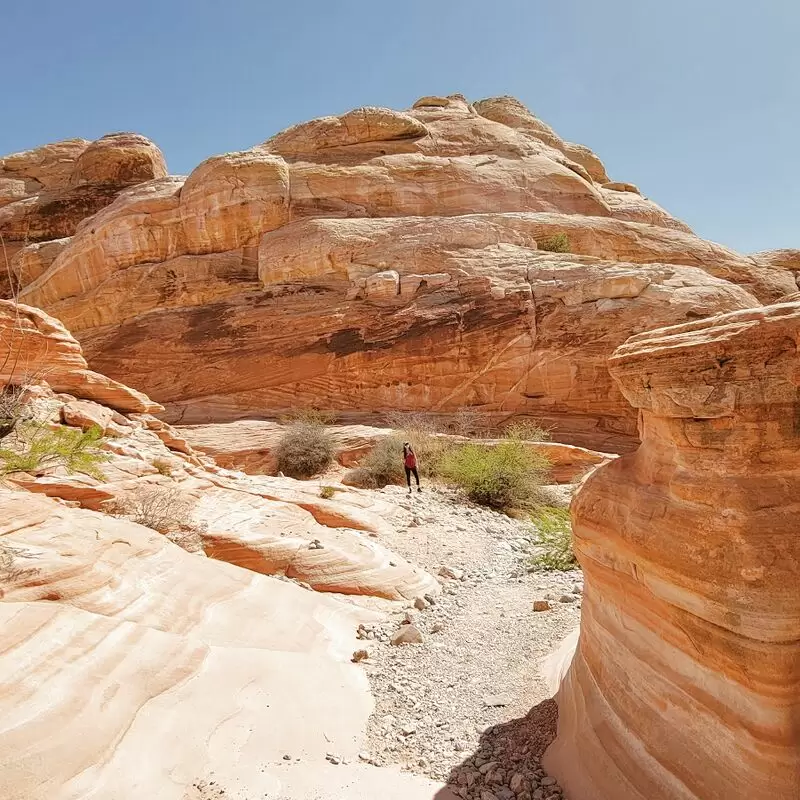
[685,683]
[386,260]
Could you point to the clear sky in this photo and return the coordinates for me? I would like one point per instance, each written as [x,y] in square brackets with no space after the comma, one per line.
[696,101]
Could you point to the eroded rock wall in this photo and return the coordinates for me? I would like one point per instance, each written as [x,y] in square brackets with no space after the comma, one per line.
[386,260]
[686,681]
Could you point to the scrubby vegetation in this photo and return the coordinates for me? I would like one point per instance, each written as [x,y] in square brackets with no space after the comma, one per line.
[557,243]
[327,492]
[163,466]
[165,509]
[11,409]
[308,416]
[505,476]
[9,566]
[528,431]
[304,450]
[36,447]
[554,537]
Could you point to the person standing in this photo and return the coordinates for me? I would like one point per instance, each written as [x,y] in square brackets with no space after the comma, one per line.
[410,464]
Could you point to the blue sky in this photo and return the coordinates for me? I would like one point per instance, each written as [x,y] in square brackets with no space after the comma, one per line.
[696,101]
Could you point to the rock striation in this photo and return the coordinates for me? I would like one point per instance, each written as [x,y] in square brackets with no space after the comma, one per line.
[342,259]
[685,681]
[47,192]
[117,633]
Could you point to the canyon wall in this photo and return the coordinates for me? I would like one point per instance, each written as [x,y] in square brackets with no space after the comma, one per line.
[686,681]
[383,260]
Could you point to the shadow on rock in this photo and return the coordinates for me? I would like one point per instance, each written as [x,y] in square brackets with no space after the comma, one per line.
[507,763]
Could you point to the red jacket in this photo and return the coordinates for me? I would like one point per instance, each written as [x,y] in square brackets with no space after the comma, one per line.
[410,460]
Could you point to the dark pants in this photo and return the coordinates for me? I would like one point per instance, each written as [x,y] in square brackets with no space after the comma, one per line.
[409,471]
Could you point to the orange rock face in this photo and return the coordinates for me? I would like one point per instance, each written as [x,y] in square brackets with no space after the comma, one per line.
[383,260]
[47,192]
[34,347]
[685,684]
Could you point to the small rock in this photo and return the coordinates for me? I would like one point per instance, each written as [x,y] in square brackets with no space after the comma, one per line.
[567,598]
[548,781]
[577,589]
[408,729]
[452,573]
[420,603]
[408,618]
[487,795]
[437,627]
[487,767]
[517,783]
[407,634]
[365,757]
[541,605]
[496,700]
[359,655]
[287,757]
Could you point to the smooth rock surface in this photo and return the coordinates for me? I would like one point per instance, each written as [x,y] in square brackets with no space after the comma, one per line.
[684,685]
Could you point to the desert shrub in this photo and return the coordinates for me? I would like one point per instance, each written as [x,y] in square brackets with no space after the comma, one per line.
[557,243]
[11,409]
[164,509]
[554,537]
[304,450]
[37,447]
[308,416]
[163,466]
[383,465]
[528,431]
[9,568]
[505,476]
[326,492]
[469,422]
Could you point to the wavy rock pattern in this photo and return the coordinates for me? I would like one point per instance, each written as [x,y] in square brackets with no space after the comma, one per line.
[345,257]
[685,684]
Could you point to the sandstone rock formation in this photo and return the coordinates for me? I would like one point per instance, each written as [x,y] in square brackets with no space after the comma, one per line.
[685,683]
[47,192]
[138,667]
[35,347]
[344,259]
[115,640]
[267,525]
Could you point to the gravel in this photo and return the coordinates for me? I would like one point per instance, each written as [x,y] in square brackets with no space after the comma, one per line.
[470,694]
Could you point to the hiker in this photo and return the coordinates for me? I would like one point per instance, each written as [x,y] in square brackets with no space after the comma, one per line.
[410,463]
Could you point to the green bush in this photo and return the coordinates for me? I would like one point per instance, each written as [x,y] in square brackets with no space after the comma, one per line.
[36,447]
[304,450]
[554,537]
[383,465]
[558,243]
[326,492]
[527,431]
[505,476]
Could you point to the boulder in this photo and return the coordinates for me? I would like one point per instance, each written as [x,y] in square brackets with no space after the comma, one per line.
[683,685]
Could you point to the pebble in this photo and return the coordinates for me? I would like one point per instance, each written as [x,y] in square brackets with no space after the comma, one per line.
[420,603]
[541,605]
[407,634]
[567,598]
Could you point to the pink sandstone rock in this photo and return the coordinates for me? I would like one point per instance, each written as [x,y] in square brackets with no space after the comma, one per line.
[684,684]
